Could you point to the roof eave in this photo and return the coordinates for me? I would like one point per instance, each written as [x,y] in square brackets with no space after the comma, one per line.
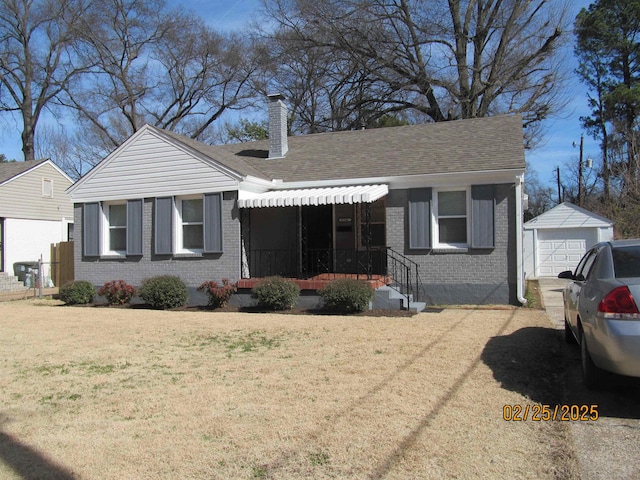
[408,181]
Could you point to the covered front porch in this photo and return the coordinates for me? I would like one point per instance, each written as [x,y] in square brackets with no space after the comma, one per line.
[314,236]
[307,233]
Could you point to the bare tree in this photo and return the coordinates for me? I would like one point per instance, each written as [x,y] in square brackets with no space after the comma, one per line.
[540,197]
[445,59]
[36,58]
[207,73]
[327,89]
[165,68]
[118,36]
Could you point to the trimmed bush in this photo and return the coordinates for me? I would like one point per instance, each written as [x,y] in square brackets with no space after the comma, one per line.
[218,294]
[276,293]
[79,292]
[164,291]
[346,295]
[117,292]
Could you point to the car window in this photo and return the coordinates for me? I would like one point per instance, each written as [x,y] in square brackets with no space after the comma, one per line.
[626,261]
[581,263]
[585,265]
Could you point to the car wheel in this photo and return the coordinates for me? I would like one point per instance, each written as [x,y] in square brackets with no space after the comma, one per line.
[568,334]
[594,377]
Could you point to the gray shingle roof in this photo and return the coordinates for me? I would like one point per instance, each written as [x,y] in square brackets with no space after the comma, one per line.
[12,169]
[216,152]
[474,145]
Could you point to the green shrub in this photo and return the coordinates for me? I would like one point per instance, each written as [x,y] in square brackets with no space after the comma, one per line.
[164,291]
[117,292]
[276,293]
[79,292]
[347,295]
[218,294]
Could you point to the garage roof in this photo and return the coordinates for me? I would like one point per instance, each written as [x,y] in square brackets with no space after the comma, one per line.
[568,215]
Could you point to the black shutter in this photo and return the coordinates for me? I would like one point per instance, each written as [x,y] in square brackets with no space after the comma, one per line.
[483,216]
[91,229]
[213,223]
[163,231]
[134,227]
[420,218]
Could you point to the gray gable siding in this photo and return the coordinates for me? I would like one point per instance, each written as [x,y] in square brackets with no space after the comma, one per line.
[470,276]
[193,269]
[21,197]
[150,166]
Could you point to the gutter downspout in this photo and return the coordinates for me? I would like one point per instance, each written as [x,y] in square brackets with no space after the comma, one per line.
[519,223]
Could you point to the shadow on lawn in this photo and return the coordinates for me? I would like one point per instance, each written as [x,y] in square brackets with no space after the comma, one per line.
[28,462]
[537,363]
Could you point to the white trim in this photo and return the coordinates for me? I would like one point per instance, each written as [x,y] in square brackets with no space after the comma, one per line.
[454,179]
[313,196]
[106,230]
[178,224]
[519,242]
[435,240]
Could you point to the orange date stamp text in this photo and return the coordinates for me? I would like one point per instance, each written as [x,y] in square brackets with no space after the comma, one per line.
[544,413]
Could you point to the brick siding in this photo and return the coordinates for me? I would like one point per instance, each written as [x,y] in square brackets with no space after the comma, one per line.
[193,270]
[474,276]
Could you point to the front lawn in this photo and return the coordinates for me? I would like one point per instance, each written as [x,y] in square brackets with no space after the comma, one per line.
[116,393]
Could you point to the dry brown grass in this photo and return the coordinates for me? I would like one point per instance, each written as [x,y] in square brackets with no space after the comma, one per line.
[123,393]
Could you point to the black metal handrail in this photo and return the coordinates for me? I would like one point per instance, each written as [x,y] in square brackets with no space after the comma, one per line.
[405,274]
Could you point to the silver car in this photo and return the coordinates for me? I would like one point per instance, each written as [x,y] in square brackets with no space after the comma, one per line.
[601,312]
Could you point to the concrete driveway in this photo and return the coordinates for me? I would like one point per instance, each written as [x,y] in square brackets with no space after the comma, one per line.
[608,448]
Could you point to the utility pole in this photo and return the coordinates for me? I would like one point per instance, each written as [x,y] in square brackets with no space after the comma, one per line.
[580,192]
[559,186]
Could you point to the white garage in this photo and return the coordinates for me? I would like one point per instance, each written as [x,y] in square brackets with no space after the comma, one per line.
[556,240]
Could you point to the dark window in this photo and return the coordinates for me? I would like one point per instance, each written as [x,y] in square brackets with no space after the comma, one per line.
[626,261]
[452,217]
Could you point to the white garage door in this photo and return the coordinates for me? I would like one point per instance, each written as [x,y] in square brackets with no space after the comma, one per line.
[562,249]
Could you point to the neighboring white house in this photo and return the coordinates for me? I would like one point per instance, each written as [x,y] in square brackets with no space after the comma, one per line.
[556,240]
[35,211]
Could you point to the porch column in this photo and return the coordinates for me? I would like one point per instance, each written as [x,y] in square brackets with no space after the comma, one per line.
[367,237]
[299,242]
[245,242]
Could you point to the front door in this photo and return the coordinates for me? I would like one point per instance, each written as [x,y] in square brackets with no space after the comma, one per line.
[345,244]
[318,238]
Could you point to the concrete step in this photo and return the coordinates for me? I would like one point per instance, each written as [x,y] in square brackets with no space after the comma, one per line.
[10,283]
[389,298]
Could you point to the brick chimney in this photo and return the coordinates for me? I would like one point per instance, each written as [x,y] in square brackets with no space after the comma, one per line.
[278,144]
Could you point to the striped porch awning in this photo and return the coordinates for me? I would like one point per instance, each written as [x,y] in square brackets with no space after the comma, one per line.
[314,196]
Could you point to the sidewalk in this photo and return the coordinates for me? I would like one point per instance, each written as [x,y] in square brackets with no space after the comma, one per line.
[551,291]
[29,293]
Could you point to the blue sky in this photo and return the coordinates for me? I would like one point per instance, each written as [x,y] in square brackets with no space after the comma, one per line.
[560,132]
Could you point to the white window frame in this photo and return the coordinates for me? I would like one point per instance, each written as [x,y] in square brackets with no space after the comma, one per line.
[435,218]
[106,229]
[47,187]
[178,224]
